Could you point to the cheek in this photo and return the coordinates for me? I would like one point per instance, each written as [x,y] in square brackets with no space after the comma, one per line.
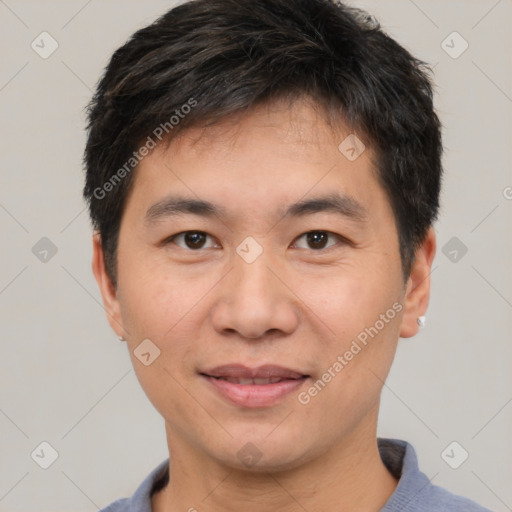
[154,299]
[360,316]
[160,305]
[346,302]
[169,307]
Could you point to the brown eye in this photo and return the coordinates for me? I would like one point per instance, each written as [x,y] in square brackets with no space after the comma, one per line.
[194,240]
[317,240]
[191,240]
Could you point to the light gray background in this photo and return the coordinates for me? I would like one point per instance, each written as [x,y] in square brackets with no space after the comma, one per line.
[65,378]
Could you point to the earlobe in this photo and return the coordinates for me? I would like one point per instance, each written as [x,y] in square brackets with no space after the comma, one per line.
[107,288]
[418,286]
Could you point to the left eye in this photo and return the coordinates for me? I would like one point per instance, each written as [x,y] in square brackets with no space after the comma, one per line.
[317,239]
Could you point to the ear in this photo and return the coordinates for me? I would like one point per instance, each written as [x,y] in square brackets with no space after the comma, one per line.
[107,288]
[418,286]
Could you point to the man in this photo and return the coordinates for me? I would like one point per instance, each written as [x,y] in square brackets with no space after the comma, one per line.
[263,177]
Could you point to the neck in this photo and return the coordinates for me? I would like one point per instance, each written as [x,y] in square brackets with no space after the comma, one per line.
[351,475]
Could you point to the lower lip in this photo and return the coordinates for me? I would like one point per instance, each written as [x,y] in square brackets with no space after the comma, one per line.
[254,395]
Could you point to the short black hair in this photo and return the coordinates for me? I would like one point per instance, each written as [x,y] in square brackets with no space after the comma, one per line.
[207,59]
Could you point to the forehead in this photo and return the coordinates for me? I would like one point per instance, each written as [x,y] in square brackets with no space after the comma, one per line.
[293,122]
[276,153]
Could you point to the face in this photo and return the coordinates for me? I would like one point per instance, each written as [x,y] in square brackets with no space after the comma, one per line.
[264,266]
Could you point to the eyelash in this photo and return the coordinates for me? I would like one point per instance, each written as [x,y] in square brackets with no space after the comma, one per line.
[183,233]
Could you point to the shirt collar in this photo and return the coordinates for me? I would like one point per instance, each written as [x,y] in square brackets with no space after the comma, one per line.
[400,459]
[398,456]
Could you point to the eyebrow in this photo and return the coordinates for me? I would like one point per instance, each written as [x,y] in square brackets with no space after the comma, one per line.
[342,205]
[345,206]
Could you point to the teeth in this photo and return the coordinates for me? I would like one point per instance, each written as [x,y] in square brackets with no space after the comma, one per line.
[258,382]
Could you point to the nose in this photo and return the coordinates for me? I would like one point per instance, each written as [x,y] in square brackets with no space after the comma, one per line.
[255,301]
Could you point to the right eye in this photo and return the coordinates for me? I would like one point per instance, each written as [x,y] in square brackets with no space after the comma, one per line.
[193,240]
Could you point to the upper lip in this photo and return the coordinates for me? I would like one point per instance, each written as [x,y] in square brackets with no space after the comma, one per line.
[238,371]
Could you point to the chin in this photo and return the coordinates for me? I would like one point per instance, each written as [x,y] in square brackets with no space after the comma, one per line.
[259,455]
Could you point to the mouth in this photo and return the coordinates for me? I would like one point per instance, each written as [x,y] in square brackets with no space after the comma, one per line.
[263,386]
[256,381]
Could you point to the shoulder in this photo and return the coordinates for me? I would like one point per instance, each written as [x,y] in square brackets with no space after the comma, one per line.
[120,505]
[437,498]
[415,492]
[140,501]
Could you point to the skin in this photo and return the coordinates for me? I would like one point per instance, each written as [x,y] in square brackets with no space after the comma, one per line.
[296,306]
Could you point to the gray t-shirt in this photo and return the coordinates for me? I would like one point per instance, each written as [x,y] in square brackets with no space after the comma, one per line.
[414,492]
